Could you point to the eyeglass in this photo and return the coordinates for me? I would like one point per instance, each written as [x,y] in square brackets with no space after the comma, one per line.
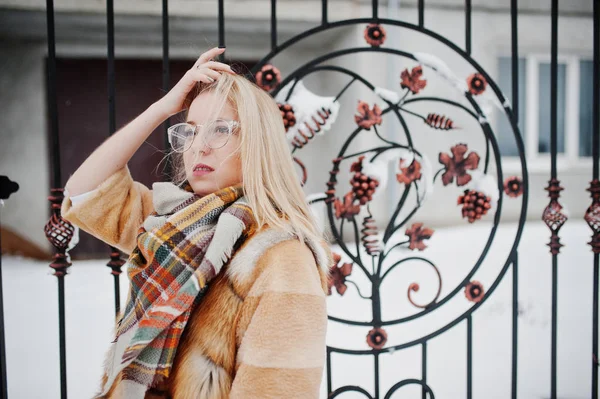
[215,134]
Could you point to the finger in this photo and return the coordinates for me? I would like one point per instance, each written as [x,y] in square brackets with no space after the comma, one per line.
[218,66]
[209,55]
[207,72]
[205,79]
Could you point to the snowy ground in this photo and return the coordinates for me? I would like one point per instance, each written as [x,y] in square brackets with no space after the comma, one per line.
[30,300]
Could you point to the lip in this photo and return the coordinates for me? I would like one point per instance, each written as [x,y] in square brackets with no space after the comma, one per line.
[202,172]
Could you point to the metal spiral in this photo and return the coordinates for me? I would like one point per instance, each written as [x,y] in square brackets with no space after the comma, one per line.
[440,122]
[369,235]
[332,180]
[307,133]
[303,168]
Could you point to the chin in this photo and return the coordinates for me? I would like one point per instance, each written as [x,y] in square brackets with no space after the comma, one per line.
[203,188]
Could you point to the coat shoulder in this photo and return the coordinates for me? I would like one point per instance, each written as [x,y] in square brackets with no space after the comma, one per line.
[283,255]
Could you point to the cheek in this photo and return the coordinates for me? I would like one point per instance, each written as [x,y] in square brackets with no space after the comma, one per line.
[233,168]
[186,163]
[232,163]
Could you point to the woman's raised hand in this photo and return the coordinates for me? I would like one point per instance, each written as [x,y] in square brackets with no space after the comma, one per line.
[204,70]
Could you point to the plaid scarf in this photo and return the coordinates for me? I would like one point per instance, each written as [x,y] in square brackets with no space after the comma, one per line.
[180,248]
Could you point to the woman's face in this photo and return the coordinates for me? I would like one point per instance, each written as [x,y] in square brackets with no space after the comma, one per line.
[208,169]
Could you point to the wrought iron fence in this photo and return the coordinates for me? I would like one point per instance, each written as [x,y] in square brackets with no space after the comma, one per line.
[372,250]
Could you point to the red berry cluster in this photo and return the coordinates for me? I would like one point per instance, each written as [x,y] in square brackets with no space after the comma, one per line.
[475,204]
[363,187]
[287,114]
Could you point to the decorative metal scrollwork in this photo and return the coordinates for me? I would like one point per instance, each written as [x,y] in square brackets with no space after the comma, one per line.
[372,251]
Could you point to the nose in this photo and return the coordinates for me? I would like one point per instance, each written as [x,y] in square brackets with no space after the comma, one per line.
[199,145]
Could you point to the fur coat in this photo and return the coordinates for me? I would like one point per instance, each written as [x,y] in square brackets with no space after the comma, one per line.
[259,332]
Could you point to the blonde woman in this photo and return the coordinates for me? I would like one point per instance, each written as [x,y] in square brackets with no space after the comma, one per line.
[227,270]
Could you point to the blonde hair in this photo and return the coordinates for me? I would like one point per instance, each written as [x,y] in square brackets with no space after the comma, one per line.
[270,182]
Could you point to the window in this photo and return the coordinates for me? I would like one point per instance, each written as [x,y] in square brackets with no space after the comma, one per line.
[574,108]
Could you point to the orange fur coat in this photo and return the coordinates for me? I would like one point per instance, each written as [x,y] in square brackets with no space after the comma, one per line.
[259,332]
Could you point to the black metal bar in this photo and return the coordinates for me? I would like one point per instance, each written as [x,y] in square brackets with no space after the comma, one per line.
[375,4]
[514,59]
[117,294]
[324,17]
[110,61]
[166,77]
[469,357]
[595,172]
[554,89]
[165,61]
[376,375]
[3,383]
[7,187]
[51,94]
[273,24]
[553,155]
[595,329]
[468,26]
[596,113]
[421,13]
[424,369]
[343,89]
[60,262]
[221,57]
[515,325]
[62,336]
[115,262]
[328,371]
[376,300]
[554,325]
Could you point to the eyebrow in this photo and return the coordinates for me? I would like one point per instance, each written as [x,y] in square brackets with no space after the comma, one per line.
[194,123]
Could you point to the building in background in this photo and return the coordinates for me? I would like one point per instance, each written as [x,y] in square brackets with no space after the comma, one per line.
[82,86]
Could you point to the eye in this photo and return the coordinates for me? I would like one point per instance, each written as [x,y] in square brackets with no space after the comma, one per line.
[221,127]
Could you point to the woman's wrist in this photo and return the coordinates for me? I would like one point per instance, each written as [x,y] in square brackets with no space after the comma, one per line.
[158,110]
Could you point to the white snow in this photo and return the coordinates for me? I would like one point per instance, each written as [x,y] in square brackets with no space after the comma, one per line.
[31,322]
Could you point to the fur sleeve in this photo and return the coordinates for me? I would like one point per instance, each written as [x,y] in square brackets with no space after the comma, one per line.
[113,212]
[282,350]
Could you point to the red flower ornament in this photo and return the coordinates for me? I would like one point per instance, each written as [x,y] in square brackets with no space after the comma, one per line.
[368,117]
[337,275]
[374,35]
[476,84]
[474,291]
[409,173]
[416,234]
[457,165]
[376,338]
[513,186]
[412,80]
[268,77]
[346,209]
